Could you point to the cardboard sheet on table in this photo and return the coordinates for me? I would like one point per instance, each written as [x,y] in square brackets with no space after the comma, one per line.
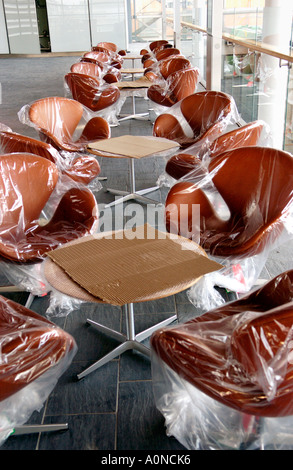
[142,82]
[120,269]
[132,146]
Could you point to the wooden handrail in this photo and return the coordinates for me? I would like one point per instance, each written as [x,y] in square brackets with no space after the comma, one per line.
[254,46]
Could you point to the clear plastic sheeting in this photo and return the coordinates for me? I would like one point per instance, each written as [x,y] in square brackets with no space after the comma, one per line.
[224,379]
[81,168]
[109,46]
[34,355]
[39,212]
[103,55]
[97,70]
[245,201]
[101,98]
[64,123]
[198,118]
[200,154]
[4,128]
[60,305]
[173,78]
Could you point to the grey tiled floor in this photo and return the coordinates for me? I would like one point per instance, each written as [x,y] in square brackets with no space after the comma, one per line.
[113,408]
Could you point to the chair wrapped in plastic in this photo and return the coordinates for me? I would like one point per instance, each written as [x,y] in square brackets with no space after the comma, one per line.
[251,134]
[160,43]
[224,380]
[81,168]
[110,46]
[245,204]
[34,355]
[199,117]
[101,54]
[178,80]
[164,53]
[100,98]
[56,120]
[108,74]
[39,214]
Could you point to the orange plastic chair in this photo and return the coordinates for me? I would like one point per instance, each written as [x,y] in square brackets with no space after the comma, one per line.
[26,182]
[248,135]
[256,185]
[82,169]
[206,114]
[237,354]
[34,355]
[88,91]
[56,119]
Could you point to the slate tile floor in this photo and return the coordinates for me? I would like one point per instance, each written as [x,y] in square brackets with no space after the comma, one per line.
[112,408]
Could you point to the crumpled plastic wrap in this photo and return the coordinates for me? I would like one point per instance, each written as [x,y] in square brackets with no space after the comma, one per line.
[109,46]
[34,355]
[243,215]
[40,212]
[223,380]
[81,168]
[199,117]
[101,98]
[103,55]
[173,79]
[98,70]
[64,123]
[201,153]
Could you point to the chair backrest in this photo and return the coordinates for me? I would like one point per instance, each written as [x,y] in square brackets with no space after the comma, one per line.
[255,182]
[244,136]
[30,346]
[173,64]
[56,116]
[11,142]
[86,90]
[108,45]
[98,56]
[183,83]
[87,68]
[26,183]
[161,42]
[164,53]
[205,108]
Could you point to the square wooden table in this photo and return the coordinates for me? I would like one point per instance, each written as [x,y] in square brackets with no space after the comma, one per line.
[133,148]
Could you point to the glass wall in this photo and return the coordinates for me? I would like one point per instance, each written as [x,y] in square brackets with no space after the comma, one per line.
[257,80]
[193,43]
[148,20]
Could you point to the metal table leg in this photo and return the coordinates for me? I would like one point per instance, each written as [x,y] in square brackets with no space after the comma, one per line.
[130,341]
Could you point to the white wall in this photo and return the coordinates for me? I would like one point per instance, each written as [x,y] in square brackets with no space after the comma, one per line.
[22,26]
[4,48]
[69,25]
